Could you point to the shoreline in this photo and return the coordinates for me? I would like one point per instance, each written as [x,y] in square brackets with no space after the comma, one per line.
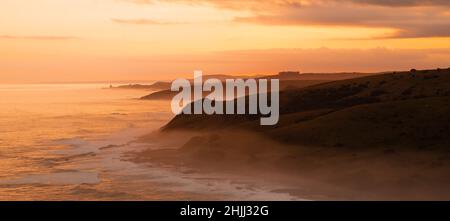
[315,173]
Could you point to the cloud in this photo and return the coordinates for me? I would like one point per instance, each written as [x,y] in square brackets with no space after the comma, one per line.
[399,3]
[423,23]
[230,4]
[255,4]
[411,23]
[35,37]
[410,18]
[143,21]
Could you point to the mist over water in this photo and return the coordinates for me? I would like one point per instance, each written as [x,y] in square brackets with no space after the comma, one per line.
[69,142]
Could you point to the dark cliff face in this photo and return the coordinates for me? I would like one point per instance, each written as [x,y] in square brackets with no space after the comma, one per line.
[338,113]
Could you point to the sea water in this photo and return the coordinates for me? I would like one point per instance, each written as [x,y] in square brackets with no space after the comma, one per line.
[67,142]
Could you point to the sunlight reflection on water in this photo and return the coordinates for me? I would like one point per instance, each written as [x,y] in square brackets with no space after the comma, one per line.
[65,142]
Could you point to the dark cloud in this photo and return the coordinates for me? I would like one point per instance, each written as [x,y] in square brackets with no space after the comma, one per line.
[411,18]
[422,30]
[244,4]
[423,22]
[399,3]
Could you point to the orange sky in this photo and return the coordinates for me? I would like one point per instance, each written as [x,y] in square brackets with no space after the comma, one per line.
[110,40]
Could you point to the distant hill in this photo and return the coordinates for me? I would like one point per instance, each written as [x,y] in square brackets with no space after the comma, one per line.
[160,95]
[156,86]
[223,77]
[292,75]
[403,109]
[164,92]
[284,85]
[288,79]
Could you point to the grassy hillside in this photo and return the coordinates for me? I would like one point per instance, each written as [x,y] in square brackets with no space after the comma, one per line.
[421,123]
[391,110]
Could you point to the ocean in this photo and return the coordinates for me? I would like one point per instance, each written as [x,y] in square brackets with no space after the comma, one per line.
[68,141]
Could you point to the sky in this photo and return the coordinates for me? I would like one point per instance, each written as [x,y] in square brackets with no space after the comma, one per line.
[125,40]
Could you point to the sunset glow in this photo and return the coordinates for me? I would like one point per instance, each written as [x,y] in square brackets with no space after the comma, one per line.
[245,103]
[106,40]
